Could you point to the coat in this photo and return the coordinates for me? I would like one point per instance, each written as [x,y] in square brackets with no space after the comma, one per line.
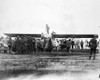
[93,43]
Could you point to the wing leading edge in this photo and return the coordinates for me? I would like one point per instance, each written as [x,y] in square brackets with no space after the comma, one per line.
[55,35]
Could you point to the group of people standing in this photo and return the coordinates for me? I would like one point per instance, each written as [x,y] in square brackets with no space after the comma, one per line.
[72,43]
[29,44]
[62,44]
[77,44]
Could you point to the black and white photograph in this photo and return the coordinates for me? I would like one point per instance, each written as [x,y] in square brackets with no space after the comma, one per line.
[49,39]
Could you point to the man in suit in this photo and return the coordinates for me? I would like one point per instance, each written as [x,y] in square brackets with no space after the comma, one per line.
[93,46]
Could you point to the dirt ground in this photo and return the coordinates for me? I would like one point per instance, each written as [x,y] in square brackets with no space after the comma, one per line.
[14,66]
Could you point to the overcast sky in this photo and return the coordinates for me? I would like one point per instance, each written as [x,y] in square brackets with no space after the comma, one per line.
[63,16]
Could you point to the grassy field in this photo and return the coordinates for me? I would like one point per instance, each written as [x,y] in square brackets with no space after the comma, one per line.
[15,64]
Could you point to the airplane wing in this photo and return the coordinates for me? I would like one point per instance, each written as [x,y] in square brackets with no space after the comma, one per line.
[55,35]
[75,35]
[16,34]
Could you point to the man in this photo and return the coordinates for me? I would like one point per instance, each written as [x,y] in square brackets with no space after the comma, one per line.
[72,44]
[93,46]
[33,43]
[68,45]
[18,45]
[9,44]
[82,43]
[47,29]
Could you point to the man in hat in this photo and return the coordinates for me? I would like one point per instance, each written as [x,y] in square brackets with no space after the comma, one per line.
[93,46]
